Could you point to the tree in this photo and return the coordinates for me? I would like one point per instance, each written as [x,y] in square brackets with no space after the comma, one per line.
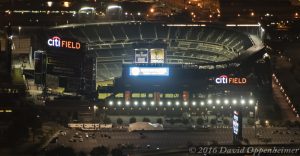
[99,151]
[226,122]
[185,121]
[250,121]
[116,152]
[61,151]
[146,120]
[213,121]
[159,120]
[119,121]
[107,120]
[200,121]
[132,120]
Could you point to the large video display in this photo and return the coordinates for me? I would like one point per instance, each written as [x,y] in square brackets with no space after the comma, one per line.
[141,56]
[157,55]
[146,55]
[148,71]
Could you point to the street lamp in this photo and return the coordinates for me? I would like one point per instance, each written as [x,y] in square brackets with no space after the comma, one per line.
[95,109]
[255,118]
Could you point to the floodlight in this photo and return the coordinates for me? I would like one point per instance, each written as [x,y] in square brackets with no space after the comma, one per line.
[152,103]
[226,101]
[242,101]
[202,103]
[169,103]
[185,103]
[234,101]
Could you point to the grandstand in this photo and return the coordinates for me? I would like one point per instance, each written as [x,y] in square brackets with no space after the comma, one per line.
[112,43]
[195,54]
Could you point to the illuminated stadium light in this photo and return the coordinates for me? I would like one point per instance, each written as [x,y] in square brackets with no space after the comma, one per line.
[194,103]
[49,3]
[66,4]
[214,107]
[127,103]
[161,103]
[135,103]
[251,102]
[110,103]
[144,103]
[185,103]
[226,101]
[234,101]
[86,8]
[209,101]
[177,103]
[119,103]
[202,103]
[218,101]
[114,7]
[169,103]
[152,103]
[243,102]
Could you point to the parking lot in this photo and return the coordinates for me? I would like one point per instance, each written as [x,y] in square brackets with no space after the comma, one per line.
[85,141]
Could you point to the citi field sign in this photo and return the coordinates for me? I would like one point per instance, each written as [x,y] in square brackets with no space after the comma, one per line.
[56,41]
[224,79]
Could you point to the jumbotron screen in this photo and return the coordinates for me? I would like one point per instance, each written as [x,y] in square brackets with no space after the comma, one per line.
[149,71]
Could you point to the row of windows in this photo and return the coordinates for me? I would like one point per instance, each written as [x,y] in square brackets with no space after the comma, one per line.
[9,90]
[146,95]
[6,111]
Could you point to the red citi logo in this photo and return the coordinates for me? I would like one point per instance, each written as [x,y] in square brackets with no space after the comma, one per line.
[57,42]
[224,79]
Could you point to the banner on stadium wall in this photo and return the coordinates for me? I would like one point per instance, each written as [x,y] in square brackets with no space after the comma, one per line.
[156,96]
[127,96]
[185,96]
[157,55]
[141,55]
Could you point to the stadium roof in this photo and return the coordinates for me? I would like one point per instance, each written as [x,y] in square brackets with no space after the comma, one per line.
[198,43]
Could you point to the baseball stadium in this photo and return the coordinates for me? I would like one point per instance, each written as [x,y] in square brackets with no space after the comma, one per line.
[160,68]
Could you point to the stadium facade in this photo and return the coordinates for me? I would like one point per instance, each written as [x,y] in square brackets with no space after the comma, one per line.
[160,66]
